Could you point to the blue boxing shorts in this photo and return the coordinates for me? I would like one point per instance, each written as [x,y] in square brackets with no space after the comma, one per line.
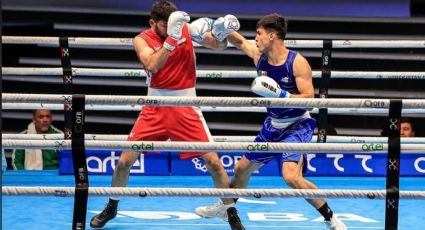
[300,131]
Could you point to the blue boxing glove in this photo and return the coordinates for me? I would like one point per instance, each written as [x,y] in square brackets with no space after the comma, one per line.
[267,87]
[223,26]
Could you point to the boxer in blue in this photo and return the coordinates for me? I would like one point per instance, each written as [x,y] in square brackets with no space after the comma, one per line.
[282,73]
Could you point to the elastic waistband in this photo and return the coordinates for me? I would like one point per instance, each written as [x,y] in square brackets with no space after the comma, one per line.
[189,92]
[283,123]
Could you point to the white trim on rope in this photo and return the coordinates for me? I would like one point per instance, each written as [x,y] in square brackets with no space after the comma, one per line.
[215,101]
[115,137]
[288,43]
[272,147]
[209,192]
[91,107]
[72,40]
[134,73]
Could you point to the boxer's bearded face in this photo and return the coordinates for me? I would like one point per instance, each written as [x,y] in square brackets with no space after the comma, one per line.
[160,28]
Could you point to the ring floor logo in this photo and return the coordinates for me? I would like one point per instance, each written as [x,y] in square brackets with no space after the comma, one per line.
[263,220]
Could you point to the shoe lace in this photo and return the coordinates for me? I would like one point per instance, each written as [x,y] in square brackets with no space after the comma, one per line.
[215,206]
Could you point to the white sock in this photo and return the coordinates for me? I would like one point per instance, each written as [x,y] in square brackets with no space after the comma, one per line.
[229,205]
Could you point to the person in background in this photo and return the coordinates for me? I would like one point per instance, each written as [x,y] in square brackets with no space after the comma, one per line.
[37,159]
[407,128]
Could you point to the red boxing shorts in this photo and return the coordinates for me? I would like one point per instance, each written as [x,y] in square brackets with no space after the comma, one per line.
[176,123]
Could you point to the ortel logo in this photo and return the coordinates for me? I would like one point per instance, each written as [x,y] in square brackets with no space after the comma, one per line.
[97,164]
[214,75]
[372,147]
[258,147]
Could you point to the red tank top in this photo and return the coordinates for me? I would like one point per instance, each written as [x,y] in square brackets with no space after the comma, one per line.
[179,71]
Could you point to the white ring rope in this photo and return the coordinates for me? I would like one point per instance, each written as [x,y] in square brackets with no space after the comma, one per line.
[115,137]
[212,146]
[209,192]
[214,101]
[91,107]
[133,73]
[288,43]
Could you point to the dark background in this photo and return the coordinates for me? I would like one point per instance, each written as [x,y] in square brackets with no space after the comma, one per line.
[326,19]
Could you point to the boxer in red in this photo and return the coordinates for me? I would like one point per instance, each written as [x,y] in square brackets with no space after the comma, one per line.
[167,54]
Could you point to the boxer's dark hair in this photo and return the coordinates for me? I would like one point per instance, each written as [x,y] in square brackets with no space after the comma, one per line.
[274,22]
[161,10]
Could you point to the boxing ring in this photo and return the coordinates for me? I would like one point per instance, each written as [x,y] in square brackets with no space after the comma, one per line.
[35,212]
[37,200]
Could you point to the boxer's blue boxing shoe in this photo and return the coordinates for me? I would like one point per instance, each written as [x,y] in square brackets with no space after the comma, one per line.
[109,213]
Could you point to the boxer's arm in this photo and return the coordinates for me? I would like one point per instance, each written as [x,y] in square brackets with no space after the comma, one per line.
[212,43]
[200,31]
[303,78]
[151,60]
[246,46]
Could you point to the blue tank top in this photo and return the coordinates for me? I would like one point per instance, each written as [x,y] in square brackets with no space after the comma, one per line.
[284,76]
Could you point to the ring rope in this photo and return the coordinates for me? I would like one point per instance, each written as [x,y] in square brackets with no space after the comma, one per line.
[215,101]
[91,107]
[288,43]
[114,137]
[276,147]
[210,192]
[31,71]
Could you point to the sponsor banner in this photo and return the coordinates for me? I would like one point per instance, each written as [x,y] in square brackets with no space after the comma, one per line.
[196,166]
[103,162]
[362,164]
